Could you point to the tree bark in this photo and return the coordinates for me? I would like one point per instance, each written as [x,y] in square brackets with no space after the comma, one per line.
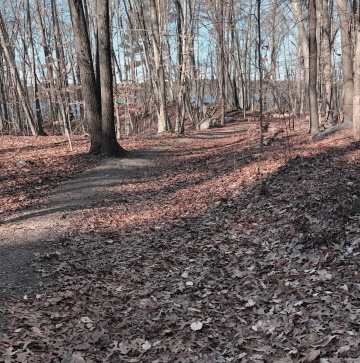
[314,115]
[38,112]
[110,146]
[62,80]
[163,122]
[356,100]
[328,68]
[87,74]
[9,56]
[261,145]
[48,62]
[303,39]
[221,58]
[346,62]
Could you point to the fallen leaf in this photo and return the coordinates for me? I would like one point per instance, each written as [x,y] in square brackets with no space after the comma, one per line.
[311,356]
[146,345]
[76,358]
[250,303]
[197,325]
[324,342]
[86,319]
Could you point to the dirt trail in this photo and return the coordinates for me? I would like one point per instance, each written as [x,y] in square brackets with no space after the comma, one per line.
[199,243]
[25,237]
[28,236]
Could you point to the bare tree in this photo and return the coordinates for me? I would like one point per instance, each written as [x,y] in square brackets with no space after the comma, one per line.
[9,56]
[163,121]
[313,100]
[261,93]
[38,113]
[356,100]
[87,74]
[326,42]
[110,146]
[346,62]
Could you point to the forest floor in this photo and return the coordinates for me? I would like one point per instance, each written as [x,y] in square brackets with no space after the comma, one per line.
[196,248]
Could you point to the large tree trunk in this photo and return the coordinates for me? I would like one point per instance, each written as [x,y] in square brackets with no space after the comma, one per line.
[84,58]
[110,146]
[347,63]
[314,115]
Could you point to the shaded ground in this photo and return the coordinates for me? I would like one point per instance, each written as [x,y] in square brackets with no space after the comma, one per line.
[34,231]
[200,250]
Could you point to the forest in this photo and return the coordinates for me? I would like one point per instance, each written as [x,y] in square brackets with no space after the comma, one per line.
[179,181]
[160,61]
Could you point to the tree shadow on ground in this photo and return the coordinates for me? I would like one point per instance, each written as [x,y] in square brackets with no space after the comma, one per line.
[295,171]
[228,265]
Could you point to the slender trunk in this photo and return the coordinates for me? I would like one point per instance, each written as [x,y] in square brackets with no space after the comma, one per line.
[313,102]
[221,59]
[261,146]
[273,45]
[328,68]
[9,56]
[356,100]
[347,63]
[303,39]
[61,68]
[4,108]
[48,62]
[163,122]
[38,113]
[183,55]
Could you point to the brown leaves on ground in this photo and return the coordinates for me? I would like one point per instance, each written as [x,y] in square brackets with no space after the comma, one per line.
[217,254]
[32,166]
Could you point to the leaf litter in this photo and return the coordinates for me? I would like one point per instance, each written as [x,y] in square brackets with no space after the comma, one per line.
[270,244]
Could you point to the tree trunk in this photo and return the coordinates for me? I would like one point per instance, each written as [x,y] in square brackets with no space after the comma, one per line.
[48,62]
[356,100]
[346,62]
[163,122]
[221,69]
[38,113]
[303,39]
[3,99]
[328,68]
[110,146]
[261,146]
[62,80]
[84,58]
[9,56]
[314,115]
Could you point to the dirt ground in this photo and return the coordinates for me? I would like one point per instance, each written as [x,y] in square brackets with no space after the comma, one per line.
[26,237]
[194,249]
[29,236]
